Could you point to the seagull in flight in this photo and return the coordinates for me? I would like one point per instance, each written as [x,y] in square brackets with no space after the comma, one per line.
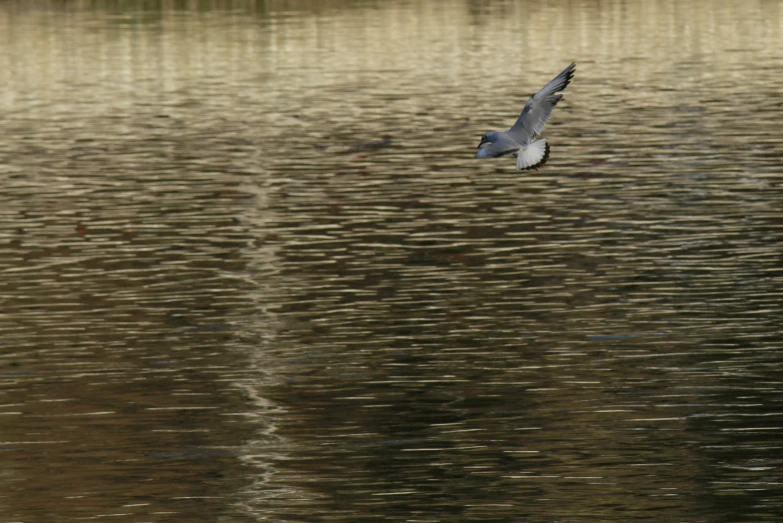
[520,141]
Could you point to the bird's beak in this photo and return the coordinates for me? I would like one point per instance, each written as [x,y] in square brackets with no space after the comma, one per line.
[479,145]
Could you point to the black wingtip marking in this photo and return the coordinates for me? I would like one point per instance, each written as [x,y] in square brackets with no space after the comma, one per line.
[571,69]
[543,160]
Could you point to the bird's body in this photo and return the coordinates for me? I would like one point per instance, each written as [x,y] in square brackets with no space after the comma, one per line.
[521,140]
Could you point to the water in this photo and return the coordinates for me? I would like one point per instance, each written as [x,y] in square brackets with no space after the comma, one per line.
[251,271]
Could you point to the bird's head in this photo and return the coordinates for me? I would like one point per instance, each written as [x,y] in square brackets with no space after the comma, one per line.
[488,137]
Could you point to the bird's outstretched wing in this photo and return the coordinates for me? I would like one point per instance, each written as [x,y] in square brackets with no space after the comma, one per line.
[539,107]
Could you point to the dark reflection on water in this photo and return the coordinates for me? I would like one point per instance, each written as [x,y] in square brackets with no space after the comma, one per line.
[251,271]
[485,354]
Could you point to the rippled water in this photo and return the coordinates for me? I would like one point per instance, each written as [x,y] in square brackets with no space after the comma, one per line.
[251,271]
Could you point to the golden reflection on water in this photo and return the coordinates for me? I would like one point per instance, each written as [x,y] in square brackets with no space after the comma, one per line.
[252,271]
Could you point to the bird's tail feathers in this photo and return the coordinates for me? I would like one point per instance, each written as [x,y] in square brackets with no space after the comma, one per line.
[533,156]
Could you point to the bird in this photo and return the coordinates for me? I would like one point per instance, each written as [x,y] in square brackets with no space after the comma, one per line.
[520,141]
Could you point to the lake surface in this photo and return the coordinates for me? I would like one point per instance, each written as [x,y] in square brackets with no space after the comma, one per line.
[251,271]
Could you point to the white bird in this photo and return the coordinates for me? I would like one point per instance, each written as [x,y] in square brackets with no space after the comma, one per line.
[520,141]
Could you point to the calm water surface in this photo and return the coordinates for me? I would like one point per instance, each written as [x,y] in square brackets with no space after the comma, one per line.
[251,271]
